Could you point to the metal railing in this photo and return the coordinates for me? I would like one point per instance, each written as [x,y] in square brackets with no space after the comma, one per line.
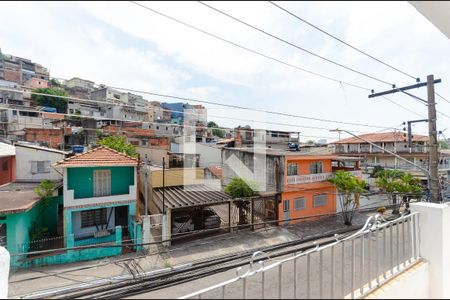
[299,179]
[349,267]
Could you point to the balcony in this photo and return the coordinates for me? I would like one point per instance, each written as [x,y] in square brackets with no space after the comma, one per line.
[302,179]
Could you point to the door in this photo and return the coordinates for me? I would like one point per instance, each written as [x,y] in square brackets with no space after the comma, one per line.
[286,212]
[121,215]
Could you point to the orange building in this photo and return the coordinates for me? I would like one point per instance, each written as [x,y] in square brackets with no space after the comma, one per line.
[306,190]
[298,179]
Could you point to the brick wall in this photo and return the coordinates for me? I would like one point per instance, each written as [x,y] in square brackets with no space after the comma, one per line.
[53,137]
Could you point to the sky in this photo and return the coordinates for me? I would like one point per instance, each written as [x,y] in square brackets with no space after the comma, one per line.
[122,44]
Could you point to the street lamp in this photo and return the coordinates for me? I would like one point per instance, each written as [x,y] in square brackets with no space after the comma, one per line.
[425,171]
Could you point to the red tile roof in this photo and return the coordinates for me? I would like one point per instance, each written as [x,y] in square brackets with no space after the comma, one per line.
[100,156]
[382,137]
[216,171]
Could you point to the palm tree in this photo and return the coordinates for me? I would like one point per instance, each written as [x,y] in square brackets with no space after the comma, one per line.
[349,187]
[396,182]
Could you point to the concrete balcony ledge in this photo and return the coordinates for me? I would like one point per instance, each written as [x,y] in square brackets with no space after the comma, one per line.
[301,179]
[70,201]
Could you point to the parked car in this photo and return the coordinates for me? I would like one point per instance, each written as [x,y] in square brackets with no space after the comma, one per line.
[211,219]
[182,223]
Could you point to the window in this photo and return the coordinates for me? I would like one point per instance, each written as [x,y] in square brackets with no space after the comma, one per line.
[299,203]
[292,169]
[40,166]
[320,200]
[315,167]
[285,205]
[93,217]
[3,235]
[102,183]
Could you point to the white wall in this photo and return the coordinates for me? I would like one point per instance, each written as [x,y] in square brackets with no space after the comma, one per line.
[434,245]
[4,272]
[25,155]
[209,154]
[76,223]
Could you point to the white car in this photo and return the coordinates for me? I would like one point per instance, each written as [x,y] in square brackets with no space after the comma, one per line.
[182,223]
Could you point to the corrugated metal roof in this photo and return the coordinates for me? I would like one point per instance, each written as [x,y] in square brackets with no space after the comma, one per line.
[189,196]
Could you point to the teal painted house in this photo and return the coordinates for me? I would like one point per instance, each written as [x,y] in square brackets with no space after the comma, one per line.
[99,189]
[20,210]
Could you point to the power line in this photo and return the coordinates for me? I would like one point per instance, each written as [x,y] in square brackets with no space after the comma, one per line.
[169,110]
[248,49]
[340,40]
[349,45]
[295,46]
[239,46]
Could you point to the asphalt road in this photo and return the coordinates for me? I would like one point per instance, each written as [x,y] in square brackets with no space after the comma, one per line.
[342,280]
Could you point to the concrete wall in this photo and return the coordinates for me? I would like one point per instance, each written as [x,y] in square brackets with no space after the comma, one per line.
[176,177]
[81,180]
[273,163]
[434,245]
[155,155]
[24,158]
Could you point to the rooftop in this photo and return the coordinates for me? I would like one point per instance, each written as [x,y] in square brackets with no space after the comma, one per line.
[42,148]
[18,197]
[189,196]
[100,156]
[382,137]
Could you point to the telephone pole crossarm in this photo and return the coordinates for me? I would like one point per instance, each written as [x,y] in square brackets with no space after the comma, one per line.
[409,87]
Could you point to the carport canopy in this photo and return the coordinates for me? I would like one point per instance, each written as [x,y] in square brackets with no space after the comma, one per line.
[189,196]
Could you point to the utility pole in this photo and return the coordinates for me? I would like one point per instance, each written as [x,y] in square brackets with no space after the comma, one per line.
[164,185]
[433,179]
[146,184]
[410,136]
[434,151]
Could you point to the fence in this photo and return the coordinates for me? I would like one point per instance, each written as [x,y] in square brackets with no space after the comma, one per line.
[348,267]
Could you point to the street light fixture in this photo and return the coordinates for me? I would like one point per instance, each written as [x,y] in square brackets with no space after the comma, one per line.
[425,171]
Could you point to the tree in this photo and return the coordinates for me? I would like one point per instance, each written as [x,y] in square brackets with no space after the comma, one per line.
[410,187]
[216,130]
[387,181]
[45,192]
[444,144]
[349,187]
[395,183]
[118,143]
[310,142]
[54,82]
[239,188]
[42,100]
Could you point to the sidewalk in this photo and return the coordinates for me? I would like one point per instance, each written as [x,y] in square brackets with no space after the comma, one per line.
[23,282]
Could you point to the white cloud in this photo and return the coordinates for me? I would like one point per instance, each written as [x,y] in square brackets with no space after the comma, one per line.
[163,56]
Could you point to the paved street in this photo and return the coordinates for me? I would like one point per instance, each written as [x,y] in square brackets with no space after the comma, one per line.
[28,281]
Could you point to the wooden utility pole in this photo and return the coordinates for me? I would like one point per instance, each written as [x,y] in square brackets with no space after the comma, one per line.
[433,158]
[433,152]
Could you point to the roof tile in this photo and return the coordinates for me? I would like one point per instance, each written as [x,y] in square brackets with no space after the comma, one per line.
[100,156]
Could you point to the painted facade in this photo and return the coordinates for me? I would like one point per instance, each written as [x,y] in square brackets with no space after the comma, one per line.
[99,191]
[34,163]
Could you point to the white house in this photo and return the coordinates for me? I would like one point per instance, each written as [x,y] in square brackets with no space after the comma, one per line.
[33,163]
